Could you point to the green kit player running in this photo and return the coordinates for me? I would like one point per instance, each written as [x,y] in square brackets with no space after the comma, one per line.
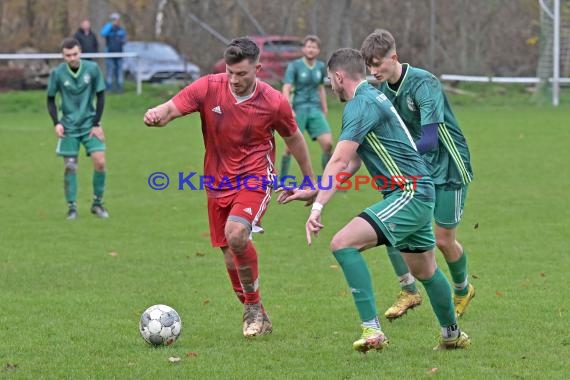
[373,133]
[418,97]
[305,77]
[79,82]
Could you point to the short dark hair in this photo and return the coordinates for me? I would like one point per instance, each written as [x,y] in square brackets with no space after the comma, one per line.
[312,38]
[69,43]
[239,49]
[377,45]
[350,61]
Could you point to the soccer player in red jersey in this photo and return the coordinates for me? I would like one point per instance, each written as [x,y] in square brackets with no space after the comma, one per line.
[239,115]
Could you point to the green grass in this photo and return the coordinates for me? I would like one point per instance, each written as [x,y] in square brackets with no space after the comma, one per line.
[70,309]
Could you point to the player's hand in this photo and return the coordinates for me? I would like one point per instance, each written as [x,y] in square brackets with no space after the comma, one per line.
[152,117]
[58,129]
[288,195]
[97,132]
[313,225]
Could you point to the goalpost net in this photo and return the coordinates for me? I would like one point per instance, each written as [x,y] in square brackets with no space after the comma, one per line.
[554,49]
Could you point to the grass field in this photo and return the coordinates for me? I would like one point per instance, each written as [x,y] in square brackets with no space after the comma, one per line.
[72,292]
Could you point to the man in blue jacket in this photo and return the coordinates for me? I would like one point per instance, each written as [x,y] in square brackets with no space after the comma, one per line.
[115,37]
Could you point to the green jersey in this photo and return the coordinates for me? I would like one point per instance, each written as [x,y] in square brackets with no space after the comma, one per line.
[386,146]
[305,81]
[77,91]
[420,101]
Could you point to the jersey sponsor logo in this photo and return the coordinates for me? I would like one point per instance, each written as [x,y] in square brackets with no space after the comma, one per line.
[217,110]
[248,210]
[66,83]
[411,105]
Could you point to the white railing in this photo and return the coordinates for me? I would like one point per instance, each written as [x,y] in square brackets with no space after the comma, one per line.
[486,79]
[29,56]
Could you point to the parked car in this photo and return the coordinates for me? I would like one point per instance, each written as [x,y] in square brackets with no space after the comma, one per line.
[159,62]
[275,53]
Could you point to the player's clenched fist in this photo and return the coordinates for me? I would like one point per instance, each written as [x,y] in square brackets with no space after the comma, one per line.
[152,117]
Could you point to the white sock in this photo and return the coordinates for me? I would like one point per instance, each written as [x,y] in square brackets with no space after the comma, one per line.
[450,332]
[373,323]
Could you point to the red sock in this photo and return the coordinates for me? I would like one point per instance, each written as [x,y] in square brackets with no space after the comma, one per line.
[234,278]
[246,265]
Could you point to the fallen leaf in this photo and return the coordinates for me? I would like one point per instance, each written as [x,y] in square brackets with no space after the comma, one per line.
[200,254]
[474,276]
[173,359]
[113,254]
[191,354]
[205,234]
[476,226]
[333,266]
[206,301]
[432,371]
[499,293]
[542,274]
[9,366]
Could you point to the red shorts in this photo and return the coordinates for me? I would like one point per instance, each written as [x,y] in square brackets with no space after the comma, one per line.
[246,206]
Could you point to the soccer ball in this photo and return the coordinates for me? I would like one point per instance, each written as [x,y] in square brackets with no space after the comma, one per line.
[160,325]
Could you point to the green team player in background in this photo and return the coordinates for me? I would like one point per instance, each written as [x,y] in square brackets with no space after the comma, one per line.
[373,133]
[418,97]
[79,82]
[305,77]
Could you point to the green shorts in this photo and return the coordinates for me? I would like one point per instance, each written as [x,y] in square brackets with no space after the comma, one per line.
[69,146]
[449,206]
[405,221]
[313,121]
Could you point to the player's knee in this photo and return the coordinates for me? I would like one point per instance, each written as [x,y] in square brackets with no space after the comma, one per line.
[444,242]
[99,164]
[237,237]
[338,242]
[70,165]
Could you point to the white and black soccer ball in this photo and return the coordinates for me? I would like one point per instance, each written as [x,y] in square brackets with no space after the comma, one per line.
[160,325]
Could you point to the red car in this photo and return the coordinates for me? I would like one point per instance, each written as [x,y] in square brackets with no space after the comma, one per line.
[275,53]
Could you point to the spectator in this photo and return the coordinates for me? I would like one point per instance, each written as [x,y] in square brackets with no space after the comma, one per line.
[115,37]
[87,39]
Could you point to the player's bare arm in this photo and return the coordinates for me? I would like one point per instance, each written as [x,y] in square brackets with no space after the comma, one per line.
[342,160]
[286,90]
[161,115]
[298,147]
[323,98]
[288,195]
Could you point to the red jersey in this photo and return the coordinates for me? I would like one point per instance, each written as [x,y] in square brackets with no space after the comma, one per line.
[238,135]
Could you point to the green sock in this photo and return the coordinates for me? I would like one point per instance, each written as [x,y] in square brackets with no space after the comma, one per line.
[458,271]
[358,279]
[98,185]
[407,281]
[439,293]
[285,164]
[70,186]
[325,157]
